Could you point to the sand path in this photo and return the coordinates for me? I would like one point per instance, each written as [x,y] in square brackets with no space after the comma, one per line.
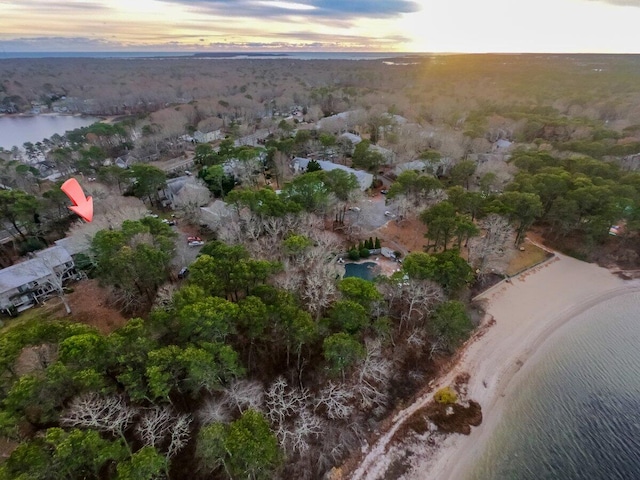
[527,310]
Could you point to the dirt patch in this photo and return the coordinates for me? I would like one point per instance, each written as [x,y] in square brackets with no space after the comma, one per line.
[89,305]
[405,235]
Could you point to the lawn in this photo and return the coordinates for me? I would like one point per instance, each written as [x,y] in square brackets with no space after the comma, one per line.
[527,257]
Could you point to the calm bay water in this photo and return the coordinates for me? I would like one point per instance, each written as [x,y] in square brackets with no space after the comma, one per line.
[574,412]
[18,130]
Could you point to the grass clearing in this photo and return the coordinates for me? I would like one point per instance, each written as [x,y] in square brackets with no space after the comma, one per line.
[528,257]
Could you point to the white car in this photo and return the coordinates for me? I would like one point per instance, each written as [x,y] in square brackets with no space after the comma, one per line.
[196,243]
[355,209]
[389,214]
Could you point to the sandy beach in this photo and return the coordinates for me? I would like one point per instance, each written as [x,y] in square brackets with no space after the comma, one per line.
[527,310]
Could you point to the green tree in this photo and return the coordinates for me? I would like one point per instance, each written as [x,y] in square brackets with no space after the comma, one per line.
[360,290]
[461,173]
[313,166]
[523,209]
[309,191]
[348,316]
[212,318]
[135,260]
[341,351]
[61,454]
[414,186]
[205,155]
[252,448]
[448,269]
[113,175]
[145,464]
[451,323]
[245,449]
[295,245]
[341,183]
[441,221]
[218,181]
[148,180]
[19,209]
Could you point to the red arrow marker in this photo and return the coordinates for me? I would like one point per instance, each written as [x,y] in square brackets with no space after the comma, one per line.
[82,205]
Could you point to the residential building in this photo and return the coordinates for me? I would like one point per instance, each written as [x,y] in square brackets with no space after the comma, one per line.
[365,179]
[31,282]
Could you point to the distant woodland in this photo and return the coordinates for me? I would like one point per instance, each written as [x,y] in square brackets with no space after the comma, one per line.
[259,361]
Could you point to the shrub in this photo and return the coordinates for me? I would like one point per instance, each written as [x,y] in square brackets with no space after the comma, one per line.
[445,396]
[354,254]
[364,253]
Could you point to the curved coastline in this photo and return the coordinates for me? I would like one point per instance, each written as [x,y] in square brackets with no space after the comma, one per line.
[527,311]
[474,445]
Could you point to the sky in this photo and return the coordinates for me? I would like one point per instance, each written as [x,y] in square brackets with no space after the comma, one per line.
[473,26]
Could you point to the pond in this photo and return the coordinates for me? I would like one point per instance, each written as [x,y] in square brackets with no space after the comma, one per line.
[366,271]
[14,131]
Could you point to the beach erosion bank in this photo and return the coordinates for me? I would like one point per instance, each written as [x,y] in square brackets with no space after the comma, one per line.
[523,314]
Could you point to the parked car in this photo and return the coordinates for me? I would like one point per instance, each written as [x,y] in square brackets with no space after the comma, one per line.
[384,192]
[194,239]
[355,209]
[389,214]
[171,223]
[196,243]
[184,271]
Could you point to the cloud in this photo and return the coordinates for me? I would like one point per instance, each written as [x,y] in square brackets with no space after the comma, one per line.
[63,7]
[312,8]
[620,3]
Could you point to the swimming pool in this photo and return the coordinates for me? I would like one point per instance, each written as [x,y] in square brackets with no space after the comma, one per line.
[366,271]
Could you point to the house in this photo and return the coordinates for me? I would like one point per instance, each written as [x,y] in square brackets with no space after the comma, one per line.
[207,137]
[352,137]
[365,179]
[29,283]
[417,165]
[501,145]
[184,191]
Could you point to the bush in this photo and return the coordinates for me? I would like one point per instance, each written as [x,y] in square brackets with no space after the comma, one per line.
[354,254]
[445,396]
[364,253]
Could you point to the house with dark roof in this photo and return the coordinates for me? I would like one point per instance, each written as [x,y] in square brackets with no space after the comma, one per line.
[29,283]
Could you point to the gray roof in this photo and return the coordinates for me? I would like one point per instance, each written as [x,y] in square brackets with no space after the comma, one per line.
[364,179]
[355,139]
[34,269]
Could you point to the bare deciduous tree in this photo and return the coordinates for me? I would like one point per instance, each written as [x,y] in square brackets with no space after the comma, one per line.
[245,394]
[214,411]
[104,413]
[494,243]
[336,400]
[283,401]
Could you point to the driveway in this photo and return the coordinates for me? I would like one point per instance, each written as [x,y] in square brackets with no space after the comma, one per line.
[371,214]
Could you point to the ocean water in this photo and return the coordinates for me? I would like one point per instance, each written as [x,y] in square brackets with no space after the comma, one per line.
[573,412]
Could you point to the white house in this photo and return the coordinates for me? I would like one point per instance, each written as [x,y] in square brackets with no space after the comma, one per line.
[365,179]
[28,283]
[202,137]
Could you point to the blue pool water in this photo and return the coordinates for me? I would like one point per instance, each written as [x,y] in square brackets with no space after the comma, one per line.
[366,271]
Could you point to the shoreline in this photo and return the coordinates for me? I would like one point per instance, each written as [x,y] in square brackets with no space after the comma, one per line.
[527,312]
[475,444]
